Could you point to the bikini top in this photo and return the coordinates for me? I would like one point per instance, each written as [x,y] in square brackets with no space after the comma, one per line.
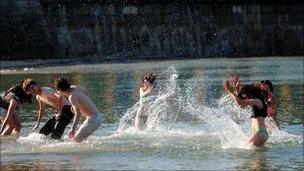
[259,112]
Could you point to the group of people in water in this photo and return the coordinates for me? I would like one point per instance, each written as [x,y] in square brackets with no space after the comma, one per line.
[72,101]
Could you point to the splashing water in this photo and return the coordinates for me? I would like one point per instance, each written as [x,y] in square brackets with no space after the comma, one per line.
[229,123]
[175,114]
[162,111]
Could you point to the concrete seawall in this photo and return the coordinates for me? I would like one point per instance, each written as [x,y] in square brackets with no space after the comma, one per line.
[152,30]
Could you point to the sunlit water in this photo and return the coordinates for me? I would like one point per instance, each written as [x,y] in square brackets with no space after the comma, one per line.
[191,125]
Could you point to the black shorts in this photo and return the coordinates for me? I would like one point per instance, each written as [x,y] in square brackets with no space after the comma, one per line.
[57,127]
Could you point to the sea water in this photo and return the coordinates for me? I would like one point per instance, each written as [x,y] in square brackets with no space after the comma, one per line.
[192,123]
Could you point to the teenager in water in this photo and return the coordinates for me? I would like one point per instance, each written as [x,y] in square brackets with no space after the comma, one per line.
[81,104]
[252,96]
[265,85]
[9,103]
[147,95]
[47,96]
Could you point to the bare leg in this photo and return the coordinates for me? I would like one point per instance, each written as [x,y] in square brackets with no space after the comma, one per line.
[17,122]
[139,122]
[257,140]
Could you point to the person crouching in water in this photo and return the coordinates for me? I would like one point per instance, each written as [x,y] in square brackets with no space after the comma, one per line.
[9,103]
[252,96]
[146,94]
[81,103]
[47,96]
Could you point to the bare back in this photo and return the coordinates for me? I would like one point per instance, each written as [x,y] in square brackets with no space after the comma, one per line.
[48,97]
[85,105]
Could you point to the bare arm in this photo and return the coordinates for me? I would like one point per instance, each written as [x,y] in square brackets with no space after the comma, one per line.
[236,82]
[77,114]
[40,113]
[8,119]
[239,101]
[59,105]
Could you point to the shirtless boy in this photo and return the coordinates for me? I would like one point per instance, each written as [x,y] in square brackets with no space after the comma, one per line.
[47,96]
[81,104]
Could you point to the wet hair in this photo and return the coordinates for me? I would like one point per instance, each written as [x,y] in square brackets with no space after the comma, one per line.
[150,77]
[27,83]
[61,84]
[252,91]
[268,82]
[20,93]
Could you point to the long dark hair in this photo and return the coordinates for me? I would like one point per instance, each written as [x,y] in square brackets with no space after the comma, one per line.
[253,91]
[269,83]
[20,93]
[150,77]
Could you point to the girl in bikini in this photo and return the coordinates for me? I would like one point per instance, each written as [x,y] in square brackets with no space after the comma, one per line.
[9,103]
[146,96]
[252,96]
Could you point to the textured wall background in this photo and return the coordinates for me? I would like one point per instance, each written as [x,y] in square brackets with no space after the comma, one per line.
[103,30]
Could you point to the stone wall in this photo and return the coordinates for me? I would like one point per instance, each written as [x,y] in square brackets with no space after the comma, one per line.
[101,30]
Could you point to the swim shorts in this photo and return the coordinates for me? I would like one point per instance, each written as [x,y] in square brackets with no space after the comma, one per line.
[89,126]
[263,132]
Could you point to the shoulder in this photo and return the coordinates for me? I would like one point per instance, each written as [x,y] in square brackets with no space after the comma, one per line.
[75,94]
[11,96]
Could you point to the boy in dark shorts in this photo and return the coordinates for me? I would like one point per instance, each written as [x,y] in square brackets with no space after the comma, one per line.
[47,96]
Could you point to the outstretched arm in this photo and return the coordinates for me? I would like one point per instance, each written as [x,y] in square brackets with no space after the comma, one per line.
[238,100]
[236,82]
[40,114]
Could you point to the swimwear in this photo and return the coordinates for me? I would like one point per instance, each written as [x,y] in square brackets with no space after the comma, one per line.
[259,112]
[89,126]
[56,127]
[147,99]
[263,132]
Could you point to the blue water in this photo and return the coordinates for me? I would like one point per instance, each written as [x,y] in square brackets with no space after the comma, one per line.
[197,128]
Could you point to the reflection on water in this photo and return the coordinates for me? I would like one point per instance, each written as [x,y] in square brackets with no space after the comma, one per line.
[196,127]
[254,160]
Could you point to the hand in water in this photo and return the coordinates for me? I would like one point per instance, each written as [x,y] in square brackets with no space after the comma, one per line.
[35,127]
[71,134]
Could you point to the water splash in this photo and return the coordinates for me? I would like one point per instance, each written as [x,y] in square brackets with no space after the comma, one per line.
[178,121]
[162,111]
[215,120]
[175,108]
